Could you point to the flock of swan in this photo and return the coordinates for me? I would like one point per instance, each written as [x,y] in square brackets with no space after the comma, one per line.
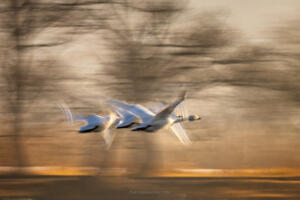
[140,118]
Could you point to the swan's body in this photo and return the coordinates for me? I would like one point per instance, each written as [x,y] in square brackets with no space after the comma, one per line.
[93,123]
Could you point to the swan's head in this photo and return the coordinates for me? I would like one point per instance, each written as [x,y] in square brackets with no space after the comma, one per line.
[194,117]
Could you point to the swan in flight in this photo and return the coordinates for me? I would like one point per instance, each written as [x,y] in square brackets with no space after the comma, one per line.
[93,123]
[125,120]
[151,122]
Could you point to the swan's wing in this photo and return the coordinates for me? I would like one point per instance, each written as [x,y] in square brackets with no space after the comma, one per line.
[181,110]
[71,117]
[125,122]
[125,118]
[93,120]
[157,107]
[169,109]
[124,114]
[142,113]
[181,134]
[108,138]
[139,111]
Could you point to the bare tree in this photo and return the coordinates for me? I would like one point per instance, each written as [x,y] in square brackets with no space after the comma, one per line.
[156,50]
[153,47]
[24,71]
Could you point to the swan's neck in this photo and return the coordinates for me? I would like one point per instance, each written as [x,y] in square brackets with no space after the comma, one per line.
[181,119]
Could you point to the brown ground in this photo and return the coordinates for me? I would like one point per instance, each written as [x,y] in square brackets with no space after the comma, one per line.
[131,187]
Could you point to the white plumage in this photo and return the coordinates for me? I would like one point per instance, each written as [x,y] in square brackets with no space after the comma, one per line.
[93,123]
[157,117]
[152,121]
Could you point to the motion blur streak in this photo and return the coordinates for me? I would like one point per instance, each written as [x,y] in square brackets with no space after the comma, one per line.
[238,62]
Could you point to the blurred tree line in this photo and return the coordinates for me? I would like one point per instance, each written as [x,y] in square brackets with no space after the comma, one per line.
[27,76]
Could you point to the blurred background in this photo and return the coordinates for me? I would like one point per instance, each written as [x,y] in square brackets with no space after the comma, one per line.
[237,60]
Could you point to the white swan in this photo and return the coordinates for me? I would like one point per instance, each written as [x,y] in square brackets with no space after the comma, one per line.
[151,122]
[93,123]
[125,120]
[179,112]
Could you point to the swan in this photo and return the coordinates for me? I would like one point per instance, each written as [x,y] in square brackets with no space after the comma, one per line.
[151,122]
[179,112]
[125,120]
[93,123]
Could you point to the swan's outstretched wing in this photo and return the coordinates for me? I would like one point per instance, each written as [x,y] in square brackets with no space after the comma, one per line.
[181,110]
[71,117]
[169,109]
[137,110]
[177,128]
[122,113]
[126,118]
[157,107]
[181,134]
[91,122]
[108,138]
